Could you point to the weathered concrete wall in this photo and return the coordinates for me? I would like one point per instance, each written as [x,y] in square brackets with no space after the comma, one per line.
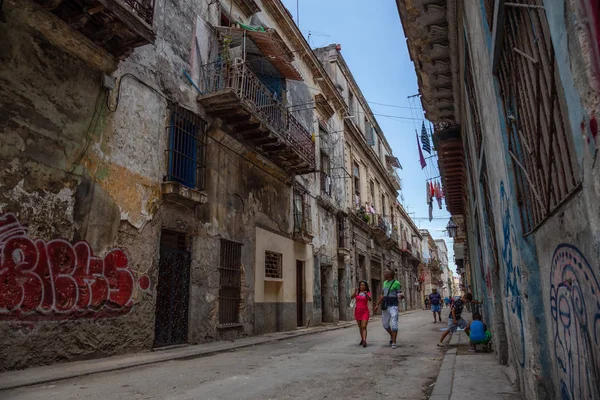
[73,170]
[544,295]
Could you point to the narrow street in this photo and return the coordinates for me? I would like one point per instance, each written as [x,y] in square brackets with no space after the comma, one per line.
[320,366]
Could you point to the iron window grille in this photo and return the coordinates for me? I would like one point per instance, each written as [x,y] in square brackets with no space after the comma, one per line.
[540,146]
[490,223]
[302,211]
[186,149]
[273,265]
[230,282]
[325,174]
[343,232]
[472,98]
[356,182]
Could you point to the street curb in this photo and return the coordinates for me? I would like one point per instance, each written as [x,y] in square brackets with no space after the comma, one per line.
[443,385]
[57,372]
[52,373]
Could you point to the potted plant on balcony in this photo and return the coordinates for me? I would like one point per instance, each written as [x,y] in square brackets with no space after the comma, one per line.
[367,218]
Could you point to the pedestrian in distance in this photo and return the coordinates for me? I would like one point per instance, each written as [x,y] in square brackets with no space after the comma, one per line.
[446,301]
[435,299]
[362,297]
[454,319]
[427,302]
[388,301]
[478,333]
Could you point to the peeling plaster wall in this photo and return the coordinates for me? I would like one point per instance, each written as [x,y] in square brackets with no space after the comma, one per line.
[72,170]
[545,294]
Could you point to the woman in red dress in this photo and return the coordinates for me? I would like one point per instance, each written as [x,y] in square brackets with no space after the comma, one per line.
[361,312]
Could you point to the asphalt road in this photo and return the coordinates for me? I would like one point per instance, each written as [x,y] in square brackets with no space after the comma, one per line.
[328,365]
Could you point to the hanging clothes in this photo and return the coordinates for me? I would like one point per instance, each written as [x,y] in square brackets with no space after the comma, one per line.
[430,211]
[425,139]
[427,193]
[438,194]
[421,158]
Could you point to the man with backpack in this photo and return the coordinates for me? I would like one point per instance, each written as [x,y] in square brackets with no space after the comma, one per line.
[388,301]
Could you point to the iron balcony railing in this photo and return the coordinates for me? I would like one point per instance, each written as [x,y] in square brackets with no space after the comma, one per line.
[237,77]
[143,8]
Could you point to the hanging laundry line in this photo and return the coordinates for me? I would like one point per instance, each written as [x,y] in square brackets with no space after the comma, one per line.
[435,177]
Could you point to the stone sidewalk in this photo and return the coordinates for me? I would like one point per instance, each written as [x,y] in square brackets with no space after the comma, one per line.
[467,375]
[55,372]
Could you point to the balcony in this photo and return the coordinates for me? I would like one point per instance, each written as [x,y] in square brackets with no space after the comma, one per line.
[254,115]
[396,181]
[100,32]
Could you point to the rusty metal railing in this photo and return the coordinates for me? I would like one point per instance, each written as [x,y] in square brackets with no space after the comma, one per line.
[237,77]
[143,8]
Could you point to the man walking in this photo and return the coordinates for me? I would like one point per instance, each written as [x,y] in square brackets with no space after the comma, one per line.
[389,305]
[435,299]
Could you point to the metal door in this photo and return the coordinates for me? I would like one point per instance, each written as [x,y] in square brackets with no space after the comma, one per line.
[300,292]
[171,324]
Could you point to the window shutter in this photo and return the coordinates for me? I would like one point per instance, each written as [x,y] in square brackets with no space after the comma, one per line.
[370,135]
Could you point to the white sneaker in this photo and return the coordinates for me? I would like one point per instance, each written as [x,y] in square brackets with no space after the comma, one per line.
[393,345]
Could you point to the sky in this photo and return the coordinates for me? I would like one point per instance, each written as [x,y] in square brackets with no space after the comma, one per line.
[374,47]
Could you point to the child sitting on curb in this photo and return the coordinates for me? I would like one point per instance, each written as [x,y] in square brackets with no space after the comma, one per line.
[478,333]
[454,319]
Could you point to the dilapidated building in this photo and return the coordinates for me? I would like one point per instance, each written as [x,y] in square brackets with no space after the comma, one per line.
[513,91]
[376,231]
[171,173]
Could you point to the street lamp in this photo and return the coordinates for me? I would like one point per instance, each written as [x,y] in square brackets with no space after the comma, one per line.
[451,228]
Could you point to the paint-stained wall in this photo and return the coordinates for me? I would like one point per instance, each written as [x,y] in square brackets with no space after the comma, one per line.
[83,211]
[542,297]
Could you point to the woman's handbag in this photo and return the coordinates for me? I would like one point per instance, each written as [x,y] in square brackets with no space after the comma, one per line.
[353,303]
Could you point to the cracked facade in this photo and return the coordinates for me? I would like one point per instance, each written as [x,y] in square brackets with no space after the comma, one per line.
[512,90]
[142,208]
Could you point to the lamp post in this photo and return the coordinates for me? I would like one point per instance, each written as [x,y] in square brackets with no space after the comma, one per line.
[451,228]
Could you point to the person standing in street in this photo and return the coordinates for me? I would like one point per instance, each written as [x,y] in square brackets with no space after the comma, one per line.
[435,299]
[361,311]
[454,319]
[388,302]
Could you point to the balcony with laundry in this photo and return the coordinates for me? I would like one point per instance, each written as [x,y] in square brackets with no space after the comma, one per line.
[100,32]
[246,89]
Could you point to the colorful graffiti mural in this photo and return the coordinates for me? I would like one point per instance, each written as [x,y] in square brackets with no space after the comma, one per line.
[575,310]
[42,280]
[513,286]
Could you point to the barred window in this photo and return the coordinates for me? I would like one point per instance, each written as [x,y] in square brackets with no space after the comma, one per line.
[230,282]
[302,211]
[273,264]
[187,149]
[540,142]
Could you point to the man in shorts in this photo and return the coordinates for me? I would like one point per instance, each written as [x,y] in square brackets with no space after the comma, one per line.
[389,315]
[435,299]
[454,319]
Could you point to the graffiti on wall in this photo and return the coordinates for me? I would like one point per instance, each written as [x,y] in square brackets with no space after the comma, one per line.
[575,310]
[50,280]
[513,285]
